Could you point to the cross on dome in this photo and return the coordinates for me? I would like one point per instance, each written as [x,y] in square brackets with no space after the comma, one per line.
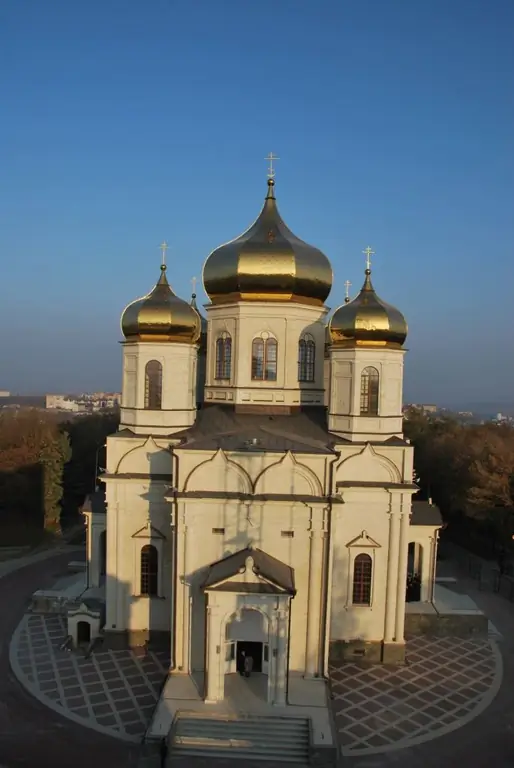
[164,247]
[270,158]
[368,254]
[193,283]
[347,286]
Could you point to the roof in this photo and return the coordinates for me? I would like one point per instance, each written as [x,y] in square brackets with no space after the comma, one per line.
[95,503]
[220,426]
[425,513]
[264,565]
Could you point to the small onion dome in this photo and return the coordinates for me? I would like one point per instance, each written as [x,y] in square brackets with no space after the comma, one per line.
[203,323]
[267,263]
[161,316]
[367,321]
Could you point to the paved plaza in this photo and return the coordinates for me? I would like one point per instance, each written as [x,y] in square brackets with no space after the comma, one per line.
[112,691]
[444,684]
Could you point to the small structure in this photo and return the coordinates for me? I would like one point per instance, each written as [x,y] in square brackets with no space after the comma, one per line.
[85,620]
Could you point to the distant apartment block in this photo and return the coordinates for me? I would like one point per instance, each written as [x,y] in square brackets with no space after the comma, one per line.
[84,403]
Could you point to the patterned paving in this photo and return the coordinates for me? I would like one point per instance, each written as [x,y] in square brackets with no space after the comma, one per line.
[113,691]
[445,683]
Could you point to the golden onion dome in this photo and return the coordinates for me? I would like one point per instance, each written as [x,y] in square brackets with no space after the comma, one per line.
[368,321]
[267,263]
[161,316]
[203,323]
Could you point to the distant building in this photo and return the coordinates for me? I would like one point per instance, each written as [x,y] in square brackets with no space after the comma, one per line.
[83,403]
[4,393]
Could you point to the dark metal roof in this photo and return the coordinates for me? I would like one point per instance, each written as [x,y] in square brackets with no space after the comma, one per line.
[95,503]
[265,565]
[234,496]
[219,426]
[424,513]
[376,484]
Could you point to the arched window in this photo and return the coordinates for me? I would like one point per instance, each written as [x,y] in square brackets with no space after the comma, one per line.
[306,358]
[264,358]
[223,356]
[149,570]
[369,392]
[362,572]
[153,385]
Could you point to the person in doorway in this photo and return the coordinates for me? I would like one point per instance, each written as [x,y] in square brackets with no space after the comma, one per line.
[248,665]
[242,663]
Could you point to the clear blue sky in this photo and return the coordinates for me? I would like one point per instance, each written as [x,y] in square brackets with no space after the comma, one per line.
[124,122]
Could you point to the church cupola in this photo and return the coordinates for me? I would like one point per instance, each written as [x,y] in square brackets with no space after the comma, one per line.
[366,366]
[368,321]
[266,341]
[160,351]
[268,263]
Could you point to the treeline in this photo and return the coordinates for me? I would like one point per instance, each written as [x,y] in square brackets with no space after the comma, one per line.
[468,471]
[47,467]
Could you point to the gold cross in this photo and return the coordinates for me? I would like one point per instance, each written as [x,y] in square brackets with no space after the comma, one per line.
[368,253]
[271,170]
[347,289]
[193,283]
[164,247]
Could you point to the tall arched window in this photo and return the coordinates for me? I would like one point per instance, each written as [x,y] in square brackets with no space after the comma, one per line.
[306,358]
[264,358]
[362,573]
[223,356]
[149,570]
[369,392]
[153,385]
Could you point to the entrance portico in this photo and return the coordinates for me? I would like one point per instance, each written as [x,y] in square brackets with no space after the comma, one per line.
[248,604]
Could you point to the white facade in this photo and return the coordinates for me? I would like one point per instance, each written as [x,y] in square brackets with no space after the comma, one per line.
[262,525]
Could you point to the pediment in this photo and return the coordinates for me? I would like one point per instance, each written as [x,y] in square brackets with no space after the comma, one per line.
[148,531]
[364,540]
[250,568]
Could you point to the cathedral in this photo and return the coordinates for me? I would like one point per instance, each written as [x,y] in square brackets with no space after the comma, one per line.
[259,490]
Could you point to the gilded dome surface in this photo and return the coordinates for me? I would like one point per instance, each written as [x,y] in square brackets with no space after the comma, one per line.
[368,321]
[203,322]
[267,263]
[161,316]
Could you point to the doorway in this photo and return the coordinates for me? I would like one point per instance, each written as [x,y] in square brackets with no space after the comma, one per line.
[248,648]
[83,632]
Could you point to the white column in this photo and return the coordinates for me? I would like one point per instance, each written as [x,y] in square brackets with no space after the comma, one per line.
[392,575]
[215,656]
[426,553]
[402,573]
[314,604]
[179,592]
[281,674]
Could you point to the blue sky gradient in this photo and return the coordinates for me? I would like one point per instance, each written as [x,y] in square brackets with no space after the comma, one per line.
[127,122]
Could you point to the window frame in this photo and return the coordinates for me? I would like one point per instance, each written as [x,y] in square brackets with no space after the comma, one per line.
[223,357]
[306,366]
[365,583]
[264,365]
[153,386]
[146,572]
[369,394]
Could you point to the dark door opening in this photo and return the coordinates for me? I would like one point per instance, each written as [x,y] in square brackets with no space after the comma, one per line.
[103,553]
[83,632]
[254,650]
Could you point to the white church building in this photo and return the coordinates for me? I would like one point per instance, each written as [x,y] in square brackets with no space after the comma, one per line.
[259,491]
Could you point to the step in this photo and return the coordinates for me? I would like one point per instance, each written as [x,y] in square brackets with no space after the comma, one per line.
[239,726]
[247,736]
[297,725]
[242,754]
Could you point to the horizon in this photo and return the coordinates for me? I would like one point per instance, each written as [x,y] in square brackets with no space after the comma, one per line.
[128,125]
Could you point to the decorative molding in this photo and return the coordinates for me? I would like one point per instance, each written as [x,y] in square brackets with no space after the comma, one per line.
[148,531]
[364,540]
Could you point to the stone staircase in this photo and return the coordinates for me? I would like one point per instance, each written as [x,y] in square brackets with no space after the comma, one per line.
[246,737]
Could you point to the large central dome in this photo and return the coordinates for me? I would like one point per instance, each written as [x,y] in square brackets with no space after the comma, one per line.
[267,263]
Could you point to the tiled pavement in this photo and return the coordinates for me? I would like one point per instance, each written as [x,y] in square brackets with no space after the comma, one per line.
[112,691]
[445,683]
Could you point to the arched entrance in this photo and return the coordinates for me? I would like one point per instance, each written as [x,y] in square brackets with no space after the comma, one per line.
[414,572]
[83,632]
[247,655]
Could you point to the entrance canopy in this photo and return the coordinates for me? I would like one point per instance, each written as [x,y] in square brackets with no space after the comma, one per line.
[250,571]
